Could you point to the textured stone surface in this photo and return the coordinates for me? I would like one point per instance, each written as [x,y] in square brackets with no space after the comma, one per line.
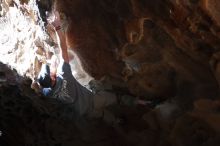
[158,48]
[166,51]
[29,119]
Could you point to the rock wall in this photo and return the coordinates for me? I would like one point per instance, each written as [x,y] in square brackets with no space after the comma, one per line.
[26,43]
[163,51]
[153,49]
[30,119]
[21,36]
[159,49]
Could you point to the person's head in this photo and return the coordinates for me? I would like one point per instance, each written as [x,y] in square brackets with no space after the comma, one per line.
[46,78]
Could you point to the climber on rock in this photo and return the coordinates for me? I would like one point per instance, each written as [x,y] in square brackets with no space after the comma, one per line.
[60,84]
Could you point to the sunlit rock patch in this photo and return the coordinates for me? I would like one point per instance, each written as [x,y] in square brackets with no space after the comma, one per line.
[21,36]
[24,41]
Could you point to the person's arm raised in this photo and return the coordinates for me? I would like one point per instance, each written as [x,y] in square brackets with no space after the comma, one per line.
[62,45]
[60,36]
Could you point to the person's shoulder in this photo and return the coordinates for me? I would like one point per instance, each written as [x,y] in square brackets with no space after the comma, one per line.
[66,63]
[63,68]
[63,64]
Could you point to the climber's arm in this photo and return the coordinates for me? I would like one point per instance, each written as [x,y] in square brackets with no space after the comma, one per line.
[60,35]
[62,45]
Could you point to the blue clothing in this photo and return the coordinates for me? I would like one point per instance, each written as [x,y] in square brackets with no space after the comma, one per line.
[68,90]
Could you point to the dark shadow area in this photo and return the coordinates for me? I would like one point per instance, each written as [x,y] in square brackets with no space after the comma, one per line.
[33,120]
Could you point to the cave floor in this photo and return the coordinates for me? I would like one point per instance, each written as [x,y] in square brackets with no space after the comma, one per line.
[28,119]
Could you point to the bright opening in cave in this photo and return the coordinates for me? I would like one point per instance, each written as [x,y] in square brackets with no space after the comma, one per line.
[24,40]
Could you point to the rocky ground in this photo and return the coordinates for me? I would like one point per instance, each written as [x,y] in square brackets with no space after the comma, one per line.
[29,119]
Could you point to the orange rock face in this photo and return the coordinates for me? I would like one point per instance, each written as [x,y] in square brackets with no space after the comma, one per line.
[156,48]
[212,8]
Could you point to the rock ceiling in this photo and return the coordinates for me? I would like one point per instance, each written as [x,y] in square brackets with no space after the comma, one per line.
[157,48]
